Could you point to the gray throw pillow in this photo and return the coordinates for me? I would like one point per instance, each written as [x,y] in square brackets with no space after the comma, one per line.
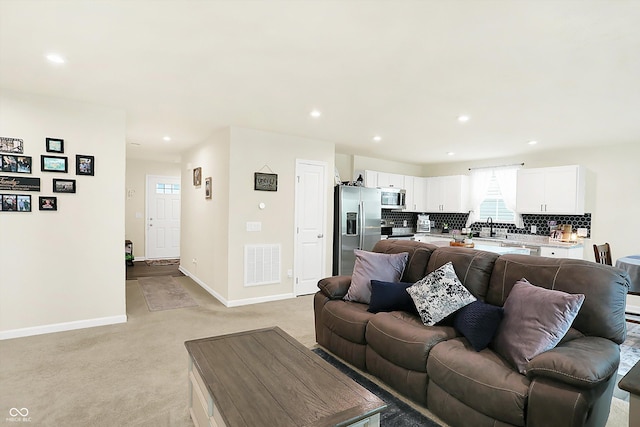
[535,320]
[439,294]
[374,266]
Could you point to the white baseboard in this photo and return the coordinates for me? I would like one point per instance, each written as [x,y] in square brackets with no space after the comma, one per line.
[62,327]
[235,303]
[633,309]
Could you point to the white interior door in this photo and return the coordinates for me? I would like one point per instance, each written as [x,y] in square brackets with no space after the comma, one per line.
[163,217]
[311,208]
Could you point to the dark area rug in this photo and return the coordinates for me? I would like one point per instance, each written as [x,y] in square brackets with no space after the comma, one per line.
[398,413]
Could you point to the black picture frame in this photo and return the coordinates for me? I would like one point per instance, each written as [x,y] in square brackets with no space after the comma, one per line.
[48,203]
[265,181]
[11,145]
[55,145]
[15,202]
[85,165]
[15,164]
[64,185]
[54,164]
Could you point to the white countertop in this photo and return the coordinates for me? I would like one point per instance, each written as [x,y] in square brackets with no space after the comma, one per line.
[525,239]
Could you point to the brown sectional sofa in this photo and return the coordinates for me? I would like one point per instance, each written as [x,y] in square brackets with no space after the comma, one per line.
[570,385]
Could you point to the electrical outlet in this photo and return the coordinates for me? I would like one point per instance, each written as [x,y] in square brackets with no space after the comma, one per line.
[289,273]
[534,229]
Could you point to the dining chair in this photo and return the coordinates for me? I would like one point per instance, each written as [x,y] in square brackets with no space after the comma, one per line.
[603,254]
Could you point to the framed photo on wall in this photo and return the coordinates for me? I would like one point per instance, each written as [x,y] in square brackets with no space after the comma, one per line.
[207,187]
[64,185]
[48,203]
[85,165]
[53,164]
[17,164]
[197,176]
[55,145]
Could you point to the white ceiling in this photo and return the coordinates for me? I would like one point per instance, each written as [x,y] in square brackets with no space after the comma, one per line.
[565,73]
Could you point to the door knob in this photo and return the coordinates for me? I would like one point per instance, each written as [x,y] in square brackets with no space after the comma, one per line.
[320,236]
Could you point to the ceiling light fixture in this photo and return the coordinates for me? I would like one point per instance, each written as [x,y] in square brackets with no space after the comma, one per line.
[315,114]
[463,119]
[377,138]
[55,58]
[167,138]
[532,142]
[450,153]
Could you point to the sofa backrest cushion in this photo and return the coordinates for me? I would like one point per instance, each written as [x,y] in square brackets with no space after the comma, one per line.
[472,267]
[419,254]
[604,287]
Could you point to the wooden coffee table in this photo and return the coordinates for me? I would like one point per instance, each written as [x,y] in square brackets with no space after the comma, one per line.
[267,378]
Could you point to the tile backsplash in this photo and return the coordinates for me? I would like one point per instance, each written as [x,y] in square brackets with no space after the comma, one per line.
[457,221]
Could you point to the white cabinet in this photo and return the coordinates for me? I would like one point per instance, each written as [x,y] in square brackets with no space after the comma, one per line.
[370,179]
[556,190]
[575,253]
[390,180]
[447,194]
[416,197]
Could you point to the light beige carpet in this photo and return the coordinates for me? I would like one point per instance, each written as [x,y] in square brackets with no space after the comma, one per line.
[135,374]
[164,293]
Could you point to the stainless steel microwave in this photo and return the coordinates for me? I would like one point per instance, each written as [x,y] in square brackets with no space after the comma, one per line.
[393,198]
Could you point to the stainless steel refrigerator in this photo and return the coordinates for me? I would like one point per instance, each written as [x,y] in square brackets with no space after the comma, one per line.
[356,225]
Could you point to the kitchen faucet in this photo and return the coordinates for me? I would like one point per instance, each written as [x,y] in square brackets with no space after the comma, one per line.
[490,222]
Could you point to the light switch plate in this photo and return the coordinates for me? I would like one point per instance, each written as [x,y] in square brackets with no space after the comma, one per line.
[582,232]
[254,226]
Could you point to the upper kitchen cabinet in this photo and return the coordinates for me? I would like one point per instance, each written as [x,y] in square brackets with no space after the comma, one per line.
[555,190]
[371,179]
[416,196]
[447,194]
[390,180]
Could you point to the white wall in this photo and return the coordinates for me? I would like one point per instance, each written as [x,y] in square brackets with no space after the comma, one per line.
[214,231]
[65,269]
[135,205]
[204,236]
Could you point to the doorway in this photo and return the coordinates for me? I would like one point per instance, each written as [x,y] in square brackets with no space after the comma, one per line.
[162,217]
[310,232]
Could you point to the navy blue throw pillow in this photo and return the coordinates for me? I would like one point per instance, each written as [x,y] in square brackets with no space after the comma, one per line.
[478,322]
[389,296]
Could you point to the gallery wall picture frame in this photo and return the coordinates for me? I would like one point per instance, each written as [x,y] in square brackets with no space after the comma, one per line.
[11,145]
[53,164]
[85,165]
[55,145]
[64,185]
[48,203]
[15,202]
[207,187]
[265,181]
[197,176]
[15,164]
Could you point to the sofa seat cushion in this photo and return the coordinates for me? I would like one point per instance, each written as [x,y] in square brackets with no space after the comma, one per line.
[402,339]
[481,380]
[347,319]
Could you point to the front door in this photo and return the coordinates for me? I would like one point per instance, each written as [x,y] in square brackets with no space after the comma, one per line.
[311,208]
[163,217]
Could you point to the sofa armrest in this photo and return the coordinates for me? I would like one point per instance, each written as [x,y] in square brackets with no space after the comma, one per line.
[335,287]
[583,362]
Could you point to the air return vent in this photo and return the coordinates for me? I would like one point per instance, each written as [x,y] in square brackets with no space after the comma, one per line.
[261,264]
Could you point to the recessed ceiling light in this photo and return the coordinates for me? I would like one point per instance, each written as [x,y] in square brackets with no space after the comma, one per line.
[315,114]
[167,138]
[135,144]
[532,142]
[463,119]
[450,153]
[55,58]
[377,138]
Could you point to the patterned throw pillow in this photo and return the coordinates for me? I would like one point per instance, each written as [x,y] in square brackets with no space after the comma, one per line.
[439,294]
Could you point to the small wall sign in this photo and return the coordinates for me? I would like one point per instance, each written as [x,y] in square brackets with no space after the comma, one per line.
[19,183]
[265,181]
